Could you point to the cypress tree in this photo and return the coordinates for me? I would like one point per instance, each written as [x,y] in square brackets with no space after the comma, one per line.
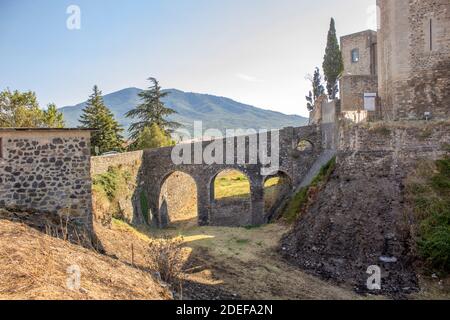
[96,115]
[317,89]
[332,63]
[151,111]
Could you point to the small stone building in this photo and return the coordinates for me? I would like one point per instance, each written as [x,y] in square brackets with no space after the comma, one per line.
[359,81]
[46,170]
[401,72]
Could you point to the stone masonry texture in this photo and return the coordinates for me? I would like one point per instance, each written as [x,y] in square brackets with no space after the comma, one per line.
[414,58]
[46,171]
[361,218]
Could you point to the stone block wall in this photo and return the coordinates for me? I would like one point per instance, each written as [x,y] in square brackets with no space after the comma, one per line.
[365,42]
[361,218]
[101,164]
[353,89]
[126,204]
[414,58]
[46,171]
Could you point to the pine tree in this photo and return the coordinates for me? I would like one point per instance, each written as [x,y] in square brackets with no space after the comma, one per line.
[152,137]
[97,116]
[317,90]
[151,111]
[332,64]
[52,117]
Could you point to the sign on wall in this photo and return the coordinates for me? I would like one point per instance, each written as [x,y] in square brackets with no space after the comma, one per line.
[370,101]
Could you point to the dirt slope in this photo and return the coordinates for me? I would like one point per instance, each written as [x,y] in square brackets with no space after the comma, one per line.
[34,266]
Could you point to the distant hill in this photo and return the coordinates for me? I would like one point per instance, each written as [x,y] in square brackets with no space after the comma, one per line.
[215,112]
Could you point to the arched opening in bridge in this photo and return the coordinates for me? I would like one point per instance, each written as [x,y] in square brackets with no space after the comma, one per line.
[231,184]
[230,199]
[305,146]
[276,188]
[178,200]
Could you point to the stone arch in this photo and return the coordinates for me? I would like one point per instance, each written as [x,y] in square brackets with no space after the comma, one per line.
[234,210]
[178,199]
[276,187]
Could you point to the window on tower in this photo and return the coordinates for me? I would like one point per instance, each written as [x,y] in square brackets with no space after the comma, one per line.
[355,55]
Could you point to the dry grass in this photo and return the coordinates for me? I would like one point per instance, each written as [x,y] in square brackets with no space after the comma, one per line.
[35,266]
[165,257]
[231,184]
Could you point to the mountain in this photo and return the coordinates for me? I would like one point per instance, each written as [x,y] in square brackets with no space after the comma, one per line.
[215,112]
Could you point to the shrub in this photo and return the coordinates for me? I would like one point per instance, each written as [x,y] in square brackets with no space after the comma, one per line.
[165,256]
[432,206]
[301,199]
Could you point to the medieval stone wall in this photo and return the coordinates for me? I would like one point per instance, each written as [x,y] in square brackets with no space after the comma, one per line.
[353,89]
[414,58]
[365,43]
[46,171]
[101,164]
[158,165]
[361,219]
[127,202]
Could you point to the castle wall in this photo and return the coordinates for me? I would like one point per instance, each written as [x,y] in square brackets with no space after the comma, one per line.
[46,171]
[361,76]
[353,89]
[361,218]
[414,58]
[364,42]
[127,203]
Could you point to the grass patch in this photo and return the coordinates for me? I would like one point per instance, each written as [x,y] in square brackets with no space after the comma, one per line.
[304,196]
[108,182]
[430,197]
[242,241]
[231,184]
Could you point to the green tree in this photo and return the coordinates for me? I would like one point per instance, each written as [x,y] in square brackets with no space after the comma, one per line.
[152,137]
[151,111]
[317,89]
[52,117]
[332,63]
[20,109]
[96,115]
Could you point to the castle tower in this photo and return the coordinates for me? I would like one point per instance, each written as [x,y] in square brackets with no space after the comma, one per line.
[414,59]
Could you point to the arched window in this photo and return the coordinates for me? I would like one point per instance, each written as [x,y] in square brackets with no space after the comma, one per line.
[304,146]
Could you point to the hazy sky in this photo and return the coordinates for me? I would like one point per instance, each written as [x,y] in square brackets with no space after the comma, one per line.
[254,51]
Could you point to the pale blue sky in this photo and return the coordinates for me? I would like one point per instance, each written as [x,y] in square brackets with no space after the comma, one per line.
[254,51]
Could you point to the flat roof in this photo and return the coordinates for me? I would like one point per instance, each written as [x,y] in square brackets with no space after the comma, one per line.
[368,31]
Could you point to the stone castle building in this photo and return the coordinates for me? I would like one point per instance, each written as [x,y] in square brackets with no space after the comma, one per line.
[401,72]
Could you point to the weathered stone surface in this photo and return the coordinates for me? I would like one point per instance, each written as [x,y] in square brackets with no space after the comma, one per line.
[414,58]
[37,176]
[361,216]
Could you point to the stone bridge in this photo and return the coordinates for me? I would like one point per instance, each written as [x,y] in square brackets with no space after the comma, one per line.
[299,148]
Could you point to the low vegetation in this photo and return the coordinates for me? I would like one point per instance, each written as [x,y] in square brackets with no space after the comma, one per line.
[429,192]
[304,197]
[231,184]
[165,257]
[111,187]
